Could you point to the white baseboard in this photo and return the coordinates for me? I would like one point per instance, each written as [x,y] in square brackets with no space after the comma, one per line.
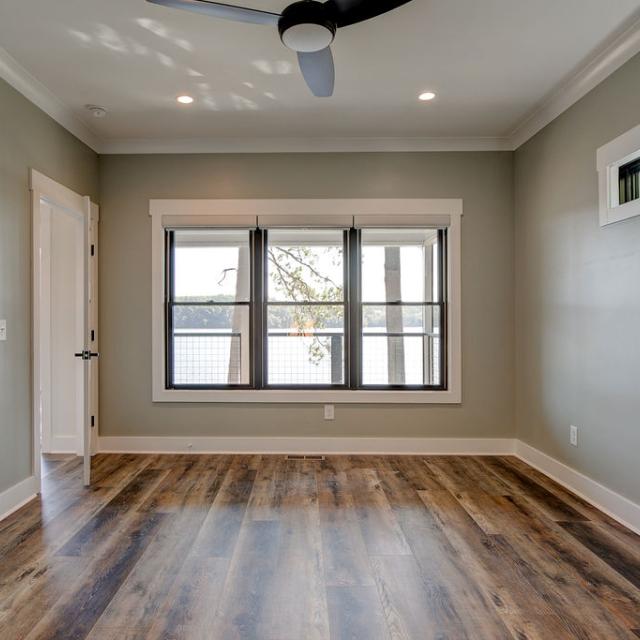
[613,504]
[15,497]
[391,446]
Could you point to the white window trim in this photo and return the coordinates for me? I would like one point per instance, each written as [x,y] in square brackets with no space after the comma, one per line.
[203,209]
[610,158]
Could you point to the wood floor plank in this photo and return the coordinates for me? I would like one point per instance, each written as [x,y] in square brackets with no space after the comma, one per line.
[146,588]
[564,570]
[356,612]
[219,547]
[40,590]
[219,532]
[381,531]
[73,617]
[249,582]
[463,601]
[523,609]
[616,555]
[268,488]
[542,498]
[190,609]
[298,580]
[413,605]
[465,473]
[346,561]
[113,515]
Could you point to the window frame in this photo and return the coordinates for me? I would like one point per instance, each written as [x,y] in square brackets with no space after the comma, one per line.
[243,214]
[171,303]
[359,306]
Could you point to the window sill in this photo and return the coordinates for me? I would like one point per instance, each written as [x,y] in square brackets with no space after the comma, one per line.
[450,396]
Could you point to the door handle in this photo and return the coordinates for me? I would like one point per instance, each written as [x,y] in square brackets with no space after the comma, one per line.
[86,354]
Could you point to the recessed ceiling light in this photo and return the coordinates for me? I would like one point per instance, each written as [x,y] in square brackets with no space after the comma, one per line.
[184,99]
[96,111]
[427,95]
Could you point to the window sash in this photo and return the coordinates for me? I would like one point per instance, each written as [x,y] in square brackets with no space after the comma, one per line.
[352,334]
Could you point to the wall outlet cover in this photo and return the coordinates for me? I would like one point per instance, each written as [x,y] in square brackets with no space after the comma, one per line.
[573,435]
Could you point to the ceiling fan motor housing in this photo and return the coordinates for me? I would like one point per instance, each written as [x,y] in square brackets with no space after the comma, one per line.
[306,26]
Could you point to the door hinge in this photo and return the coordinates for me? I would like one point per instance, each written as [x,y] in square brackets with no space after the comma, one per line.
[93,421]
[93,249]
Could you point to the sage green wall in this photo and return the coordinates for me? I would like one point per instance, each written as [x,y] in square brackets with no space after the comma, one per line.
[578,293]
[483,180]
[28,139]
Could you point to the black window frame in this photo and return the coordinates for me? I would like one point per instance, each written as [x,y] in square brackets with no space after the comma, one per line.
[171,303]
[353,308]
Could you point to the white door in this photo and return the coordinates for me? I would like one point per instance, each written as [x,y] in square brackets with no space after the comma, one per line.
[65,321]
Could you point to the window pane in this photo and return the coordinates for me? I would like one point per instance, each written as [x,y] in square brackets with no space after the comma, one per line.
[211,265]
[211,345]
[401,345]
[410,318]
[305,319]
[305,265]
[400,265]
[306,344]
[629,181]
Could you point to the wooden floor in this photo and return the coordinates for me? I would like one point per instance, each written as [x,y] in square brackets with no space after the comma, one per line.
[359,548]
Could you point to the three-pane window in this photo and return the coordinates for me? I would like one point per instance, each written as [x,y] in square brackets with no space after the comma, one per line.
[306,308]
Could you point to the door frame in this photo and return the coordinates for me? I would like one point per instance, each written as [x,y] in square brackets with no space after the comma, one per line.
[44,188]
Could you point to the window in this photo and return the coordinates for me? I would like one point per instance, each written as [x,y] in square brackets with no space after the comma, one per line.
[306,301]
[402,307]
[629,181]
[305,307]
[619,178]
[334,308]
[208,308]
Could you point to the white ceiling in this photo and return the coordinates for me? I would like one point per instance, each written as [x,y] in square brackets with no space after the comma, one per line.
[491,62]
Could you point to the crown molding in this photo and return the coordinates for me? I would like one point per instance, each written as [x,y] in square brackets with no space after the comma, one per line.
[302,145]
[611,57]
[32,89]
[621,48]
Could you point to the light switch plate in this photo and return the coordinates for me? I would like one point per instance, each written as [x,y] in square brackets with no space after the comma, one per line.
[3,330]
[329,412]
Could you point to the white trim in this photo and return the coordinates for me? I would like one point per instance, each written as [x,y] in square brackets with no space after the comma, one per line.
[37,93]
[55,192]
[18,495]
[613,504]
[610,58]
[304,145]
[609,158]
[325,208]
[317,207]
[389,446]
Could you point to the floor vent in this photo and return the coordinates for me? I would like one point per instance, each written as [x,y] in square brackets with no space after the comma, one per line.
[301,456]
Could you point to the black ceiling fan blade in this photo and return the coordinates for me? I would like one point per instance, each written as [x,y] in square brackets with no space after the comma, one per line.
[221,10]
[346,12]
[318,71]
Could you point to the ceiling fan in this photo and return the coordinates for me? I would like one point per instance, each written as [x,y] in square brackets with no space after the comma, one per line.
[307,27]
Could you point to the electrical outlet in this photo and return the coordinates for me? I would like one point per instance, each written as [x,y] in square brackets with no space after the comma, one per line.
[3,330]
[329,413]
[573,435]
[189,447]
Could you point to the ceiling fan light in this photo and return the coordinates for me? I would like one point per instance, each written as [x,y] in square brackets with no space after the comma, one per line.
[307,37]
[306,27]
